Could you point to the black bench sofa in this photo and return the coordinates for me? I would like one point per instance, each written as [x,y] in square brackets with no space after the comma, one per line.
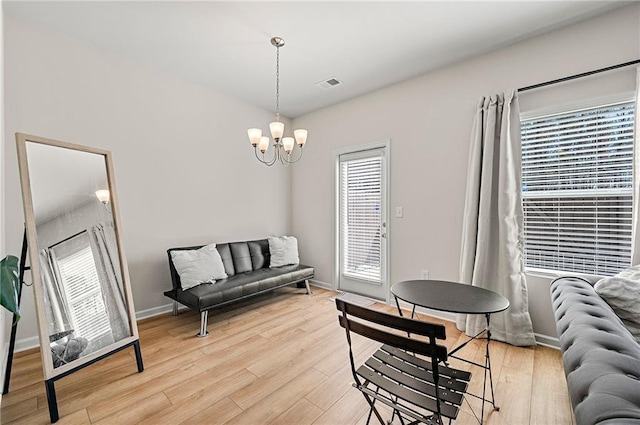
[247,268]
[601,357]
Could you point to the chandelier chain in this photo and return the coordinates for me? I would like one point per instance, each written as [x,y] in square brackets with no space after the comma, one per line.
[278,83]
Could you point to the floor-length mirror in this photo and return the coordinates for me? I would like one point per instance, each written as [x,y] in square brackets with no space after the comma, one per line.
[80,278]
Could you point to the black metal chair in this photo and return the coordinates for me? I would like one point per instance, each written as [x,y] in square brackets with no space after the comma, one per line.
[418,389]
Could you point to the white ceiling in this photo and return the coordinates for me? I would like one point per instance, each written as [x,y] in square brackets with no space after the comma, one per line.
[366,45]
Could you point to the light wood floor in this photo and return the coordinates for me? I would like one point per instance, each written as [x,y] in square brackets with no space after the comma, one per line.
[279,359]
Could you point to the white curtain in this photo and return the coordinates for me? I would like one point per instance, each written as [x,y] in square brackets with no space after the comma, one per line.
[108,267]
[492,238]
[56,308]
[635,238]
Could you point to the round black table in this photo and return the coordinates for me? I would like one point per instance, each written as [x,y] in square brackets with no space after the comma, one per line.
[455,298]
[449,296]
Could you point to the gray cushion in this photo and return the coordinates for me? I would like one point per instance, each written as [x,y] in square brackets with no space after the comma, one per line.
[241,257]
[622,293]
[242,285]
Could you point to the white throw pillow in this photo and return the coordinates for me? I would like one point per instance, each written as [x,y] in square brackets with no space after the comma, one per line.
[621,292]
[198,266]
[283,250]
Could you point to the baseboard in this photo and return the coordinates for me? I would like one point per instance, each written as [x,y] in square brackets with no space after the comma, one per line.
[155,311]
[321,284]
[547,341]
[26,344]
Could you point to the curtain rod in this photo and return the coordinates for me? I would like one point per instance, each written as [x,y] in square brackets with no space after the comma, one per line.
[573,77]
[67,239]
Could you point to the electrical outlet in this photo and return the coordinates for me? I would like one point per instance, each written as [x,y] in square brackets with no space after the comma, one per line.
[424,274]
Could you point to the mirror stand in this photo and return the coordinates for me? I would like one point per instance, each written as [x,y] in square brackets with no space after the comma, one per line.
[50,383]
[82,292]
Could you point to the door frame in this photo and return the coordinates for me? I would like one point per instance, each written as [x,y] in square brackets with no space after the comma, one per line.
[385,145]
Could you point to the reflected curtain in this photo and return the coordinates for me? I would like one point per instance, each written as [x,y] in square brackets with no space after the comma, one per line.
[492,237]
[57,313]
[108,266]
[635,238]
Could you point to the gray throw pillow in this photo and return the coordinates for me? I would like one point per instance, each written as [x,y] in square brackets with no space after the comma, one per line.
[199,266]
[283,251]
[622,293]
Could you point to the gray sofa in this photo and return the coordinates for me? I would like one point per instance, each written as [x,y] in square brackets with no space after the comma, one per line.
[601,357]
[247,268]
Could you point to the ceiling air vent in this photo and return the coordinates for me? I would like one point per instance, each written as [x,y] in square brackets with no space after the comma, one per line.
[329,83]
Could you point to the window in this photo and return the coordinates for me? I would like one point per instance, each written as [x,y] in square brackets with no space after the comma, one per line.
[361,218]
[577,189]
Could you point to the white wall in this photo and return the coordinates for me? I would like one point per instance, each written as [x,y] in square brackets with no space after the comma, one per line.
[428,120]
[185,171]
[186,174]
[3,313]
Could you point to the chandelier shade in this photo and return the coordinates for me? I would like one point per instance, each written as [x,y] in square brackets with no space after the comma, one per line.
[283,147]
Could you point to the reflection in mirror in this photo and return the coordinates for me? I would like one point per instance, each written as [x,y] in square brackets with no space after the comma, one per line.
[81,275]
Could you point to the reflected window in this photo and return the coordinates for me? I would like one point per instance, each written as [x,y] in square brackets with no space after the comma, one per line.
[84,294]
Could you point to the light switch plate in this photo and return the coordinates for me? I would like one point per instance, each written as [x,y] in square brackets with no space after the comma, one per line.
[399,212]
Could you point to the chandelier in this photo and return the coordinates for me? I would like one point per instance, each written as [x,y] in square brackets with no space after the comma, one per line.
[282,146]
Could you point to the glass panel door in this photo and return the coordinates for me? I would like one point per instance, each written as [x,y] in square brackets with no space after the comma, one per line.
[362,223]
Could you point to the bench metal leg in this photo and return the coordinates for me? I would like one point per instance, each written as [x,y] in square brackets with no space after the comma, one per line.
[203,324]
[175,308]
[306,282]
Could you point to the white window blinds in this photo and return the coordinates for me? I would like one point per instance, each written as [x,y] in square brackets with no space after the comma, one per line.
[361,192]
[577,184]
[84,294]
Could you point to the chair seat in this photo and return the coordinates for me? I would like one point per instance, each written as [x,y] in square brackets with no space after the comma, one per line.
[411,379]
[407,374]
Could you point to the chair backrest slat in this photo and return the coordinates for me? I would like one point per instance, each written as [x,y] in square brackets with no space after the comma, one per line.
[418,327]
[412,345]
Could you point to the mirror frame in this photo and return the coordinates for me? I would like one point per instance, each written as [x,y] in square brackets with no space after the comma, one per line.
[47,361]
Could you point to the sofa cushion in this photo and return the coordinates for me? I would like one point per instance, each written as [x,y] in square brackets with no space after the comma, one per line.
[621,292]
[199,266]
[227,259]
[242,285]
[241,257]
[283,250]
[259,251]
